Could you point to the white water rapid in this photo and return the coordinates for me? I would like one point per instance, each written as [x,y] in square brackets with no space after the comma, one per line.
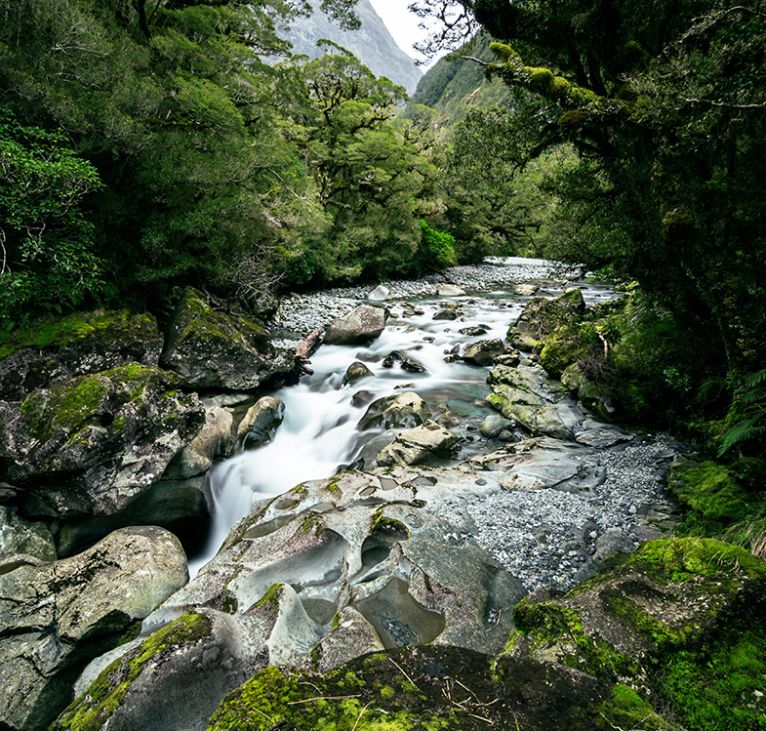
[319,433]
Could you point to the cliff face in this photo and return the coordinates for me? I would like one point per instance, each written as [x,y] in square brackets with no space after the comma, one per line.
[372,43]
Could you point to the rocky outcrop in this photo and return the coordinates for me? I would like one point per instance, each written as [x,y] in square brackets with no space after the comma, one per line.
[212,349]
[361,325]
[56,617]
[48,352]
[329,571]
[418,445]
[92,444]
[542,316]
[23,542]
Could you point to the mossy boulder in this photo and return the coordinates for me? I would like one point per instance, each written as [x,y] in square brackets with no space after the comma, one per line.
[570,343]
[49,351]
[542,316]
[210,348]
[56,617]
[90,445]
[425,689]
[681,610]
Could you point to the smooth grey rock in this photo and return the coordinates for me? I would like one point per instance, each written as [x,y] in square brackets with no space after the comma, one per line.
[23,542]
[417,445]
[483,352]
[450,290]
[379,294]
[57,616]
[214,440]
[361,325]
[404,410]
[493,425]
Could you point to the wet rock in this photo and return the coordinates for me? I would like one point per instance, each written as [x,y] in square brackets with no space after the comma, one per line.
[355,372]
[493,425]
[417,445]
[214,440]
[450,290]
[361,325]
[57,616]
[447,313]
[510,359]
[476,331]
[362,398]
[76,345]
[352,636]
[404,410]
[92,444]
[542,316]
[526,290]
[260,422]
[23,542]
[406,363]
[483,352]
[210,348]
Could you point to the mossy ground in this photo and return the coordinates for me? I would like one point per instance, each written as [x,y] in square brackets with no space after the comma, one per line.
[92,710]
[59,334]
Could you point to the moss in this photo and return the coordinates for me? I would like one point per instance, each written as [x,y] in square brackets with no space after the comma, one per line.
[312,522]
[271,597]
[721,686]
[333,487]
[569,344]
[58,334]
[713,497]
[547,624]
[381,523]
[92,710]
[684,559]
[626,709]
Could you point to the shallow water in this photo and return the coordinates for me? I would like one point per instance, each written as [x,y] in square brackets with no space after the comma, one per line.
[319,433]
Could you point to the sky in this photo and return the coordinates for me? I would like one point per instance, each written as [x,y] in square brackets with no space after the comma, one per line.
[401,23]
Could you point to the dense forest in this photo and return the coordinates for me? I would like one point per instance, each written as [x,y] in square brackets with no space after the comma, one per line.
[148,146]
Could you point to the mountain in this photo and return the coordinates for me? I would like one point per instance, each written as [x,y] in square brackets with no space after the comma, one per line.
[372,43]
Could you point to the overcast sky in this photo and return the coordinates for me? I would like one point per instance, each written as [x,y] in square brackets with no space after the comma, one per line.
[401,23]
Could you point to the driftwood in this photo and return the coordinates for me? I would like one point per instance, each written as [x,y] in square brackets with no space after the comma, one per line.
[306,348]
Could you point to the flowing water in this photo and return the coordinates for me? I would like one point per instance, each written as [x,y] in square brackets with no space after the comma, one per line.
[319,433]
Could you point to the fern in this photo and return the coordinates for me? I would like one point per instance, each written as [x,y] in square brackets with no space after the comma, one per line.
[746,421]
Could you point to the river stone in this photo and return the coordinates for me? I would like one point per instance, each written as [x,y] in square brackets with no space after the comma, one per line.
[406,362]
[261,421]
[379,294]
[209,348]
[361,325]
[448,312]
[355,372]
[474,331]
[403,410]
[91,445]
[542,316]
[23,542]
[212,442]
[526,290]
[76,345]
[417,445]
[483,352]
[58,616]
[494,424]
[450,290]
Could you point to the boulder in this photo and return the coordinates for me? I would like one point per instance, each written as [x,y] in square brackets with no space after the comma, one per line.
[483,352]
[450,290]
[417,445]
[404,410]
[261,421]
[448,312]
[509,358]
[23,542]
[209,348]
[595,397]
[494,424]
[213,441]
[48,352]
[361,325]
[526,290]
[355,372]
[56,617]
[474,331]
[92,444]
[542,316]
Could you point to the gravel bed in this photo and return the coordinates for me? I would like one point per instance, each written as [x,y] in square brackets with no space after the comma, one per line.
[301,313]
[551,539]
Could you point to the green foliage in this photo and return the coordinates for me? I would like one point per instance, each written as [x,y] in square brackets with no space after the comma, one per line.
[745,427]
[47,262]
[438,247]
